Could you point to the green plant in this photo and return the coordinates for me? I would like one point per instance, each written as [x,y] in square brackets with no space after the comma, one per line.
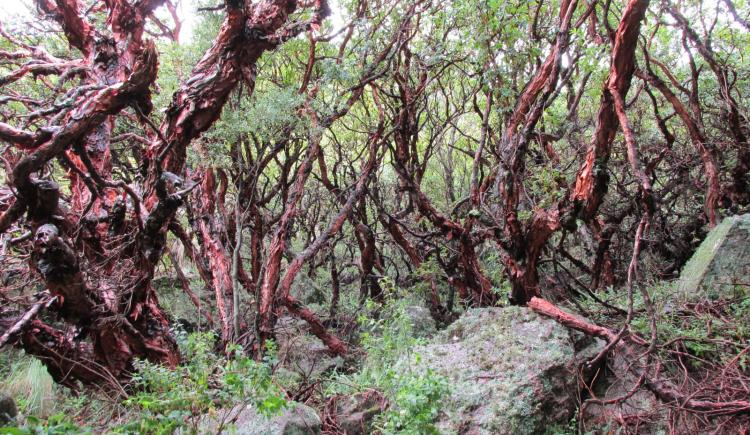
[416,403]
[31,386]
[704,334]
[168,400]
[566,429]
[414,396]
[57,424]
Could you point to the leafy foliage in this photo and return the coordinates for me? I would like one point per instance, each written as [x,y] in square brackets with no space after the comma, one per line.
[415,399]
[710,330]
[28,381]
[435,91]
[164,401]
[168,400]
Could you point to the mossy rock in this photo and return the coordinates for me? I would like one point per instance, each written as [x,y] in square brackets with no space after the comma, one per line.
[297,419]
[302,353]
[722,262]
[422,323]
[511,371]
[355,413]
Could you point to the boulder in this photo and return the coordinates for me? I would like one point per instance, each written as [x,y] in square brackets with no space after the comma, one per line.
[8,410]
[307,290]
[297,419]
[510,371]
[422,323]
[721,261]
[616,381]
[303,355]
[355,413]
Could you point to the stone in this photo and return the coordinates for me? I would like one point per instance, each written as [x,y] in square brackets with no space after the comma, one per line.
[510,371]
[721,262]
[301,353]
[642,406]
[8,410]
[355,413]
[307,290]
[297,419]
[422,323]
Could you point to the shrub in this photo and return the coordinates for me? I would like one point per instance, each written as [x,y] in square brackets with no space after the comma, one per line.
[168,400]
[414,397]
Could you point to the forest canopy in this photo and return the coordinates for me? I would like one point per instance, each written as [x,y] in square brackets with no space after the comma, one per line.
[314,160]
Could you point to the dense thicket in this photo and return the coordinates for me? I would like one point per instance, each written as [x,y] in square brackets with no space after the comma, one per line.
[476,152]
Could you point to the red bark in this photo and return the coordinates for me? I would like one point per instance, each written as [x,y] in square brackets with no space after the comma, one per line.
[523,246]
[592,178]
[406,164]
[699,142]
[663,389]
[739,191]
[211,233]
[267,295]
[116,307]
[437,310]
[67,14]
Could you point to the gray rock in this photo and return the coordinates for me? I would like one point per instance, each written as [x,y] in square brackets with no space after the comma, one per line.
[510,371]
[721,261]
[309,291]
[423,325]
[354,414]
[297,419]
[305,355]
[8,410]
[641,406]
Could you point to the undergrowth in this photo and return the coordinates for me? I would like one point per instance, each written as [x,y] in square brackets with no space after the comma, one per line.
[414,397]
[710,328]
[27,380]
[702,342]
[163,401]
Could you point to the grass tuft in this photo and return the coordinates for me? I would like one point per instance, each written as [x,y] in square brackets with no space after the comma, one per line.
[32,387]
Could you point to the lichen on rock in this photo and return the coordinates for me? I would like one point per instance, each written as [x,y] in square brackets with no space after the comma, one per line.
[511,371]
[721,262]
[296,419]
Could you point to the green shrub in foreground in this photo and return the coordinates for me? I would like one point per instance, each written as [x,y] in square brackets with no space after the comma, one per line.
[206,385]
[414,396]
[164,400]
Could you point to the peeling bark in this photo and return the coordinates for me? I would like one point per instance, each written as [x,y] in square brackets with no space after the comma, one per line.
[663,389]
[592,179]
[112,303]
[699,142]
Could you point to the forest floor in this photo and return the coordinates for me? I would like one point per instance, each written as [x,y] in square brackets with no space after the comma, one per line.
[703,346]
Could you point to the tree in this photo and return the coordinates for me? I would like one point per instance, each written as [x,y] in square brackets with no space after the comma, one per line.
[96,253]
[475,153]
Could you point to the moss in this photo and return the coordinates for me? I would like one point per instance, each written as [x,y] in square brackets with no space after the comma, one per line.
[721,259]
[511,371]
